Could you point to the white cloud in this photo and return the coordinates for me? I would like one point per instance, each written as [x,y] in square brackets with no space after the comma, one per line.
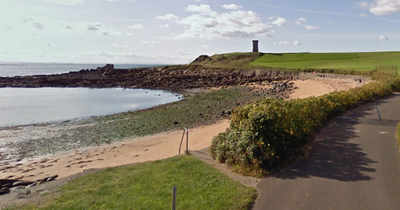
[77,2]
[381,7]
[136,26]
[120,46]
[287,43]
[362,15]
[198,8]
[164,26]
[232,6]
[282,43]
[383,38]
[120,0]
[208,24]
[100,29]
[297,43]
[150,42]
[310,28]
[301,22]
[279,21]
[66,2]
[169,17]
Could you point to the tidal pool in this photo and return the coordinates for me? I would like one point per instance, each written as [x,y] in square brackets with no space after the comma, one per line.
[22,106]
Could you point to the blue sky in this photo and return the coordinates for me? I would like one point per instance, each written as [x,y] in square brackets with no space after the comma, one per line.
[177,31]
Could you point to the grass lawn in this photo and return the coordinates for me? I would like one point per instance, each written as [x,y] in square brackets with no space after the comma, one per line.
[347,61]
[149,186]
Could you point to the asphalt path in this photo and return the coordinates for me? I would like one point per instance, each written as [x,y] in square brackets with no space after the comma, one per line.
[353,164]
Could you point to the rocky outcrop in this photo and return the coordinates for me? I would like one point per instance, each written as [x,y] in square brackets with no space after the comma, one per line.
[281,88]
[173,78]
[9,185]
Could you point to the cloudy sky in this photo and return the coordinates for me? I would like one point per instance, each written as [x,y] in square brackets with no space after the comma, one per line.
[177,31]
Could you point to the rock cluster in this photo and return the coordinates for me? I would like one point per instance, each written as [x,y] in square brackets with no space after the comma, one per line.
[173,78]
[281,88]
[9,185]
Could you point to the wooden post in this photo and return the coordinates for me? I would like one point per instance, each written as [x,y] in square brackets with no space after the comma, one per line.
[377,109]
[183,135]
[187,141]
[174,198]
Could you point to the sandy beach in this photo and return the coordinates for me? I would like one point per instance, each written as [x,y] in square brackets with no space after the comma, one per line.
[148,148]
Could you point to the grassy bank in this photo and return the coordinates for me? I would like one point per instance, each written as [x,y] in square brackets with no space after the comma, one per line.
[347,61]
[148,186]
[193,111]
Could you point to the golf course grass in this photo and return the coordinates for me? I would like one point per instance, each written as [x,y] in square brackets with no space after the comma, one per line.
[149,186]
[346,61]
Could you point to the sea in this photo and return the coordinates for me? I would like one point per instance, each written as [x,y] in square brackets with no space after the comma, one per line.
[25,106]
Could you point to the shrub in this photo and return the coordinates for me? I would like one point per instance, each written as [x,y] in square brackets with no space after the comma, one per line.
[266,134]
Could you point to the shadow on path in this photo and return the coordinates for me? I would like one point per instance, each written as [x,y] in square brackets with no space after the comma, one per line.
[334,153]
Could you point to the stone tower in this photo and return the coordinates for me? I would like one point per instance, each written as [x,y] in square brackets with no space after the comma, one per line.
[255,46]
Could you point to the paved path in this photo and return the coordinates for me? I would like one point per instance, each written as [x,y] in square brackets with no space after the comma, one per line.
[354,164]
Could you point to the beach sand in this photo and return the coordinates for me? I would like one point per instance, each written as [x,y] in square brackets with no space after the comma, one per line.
[148,148]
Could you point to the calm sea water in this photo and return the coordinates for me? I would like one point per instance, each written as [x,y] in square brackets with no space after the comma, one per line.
[21,106]
[9,70]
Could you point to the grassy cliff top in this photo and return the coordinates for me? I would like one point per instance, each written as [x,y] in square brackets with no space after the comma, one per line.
[362,61]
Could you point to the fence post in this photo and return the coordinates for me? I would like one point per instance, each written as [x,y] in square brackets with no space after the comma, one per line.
[183,135]
[187,141]
[174,198]
[379,114]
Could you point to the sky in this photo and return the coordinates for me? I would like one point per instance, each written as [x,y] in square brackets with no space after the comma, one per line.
[178,31]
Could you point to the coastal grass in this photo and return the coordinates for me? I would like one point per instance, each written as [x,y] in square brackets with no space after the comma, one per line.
[230,60]
[365,61]
[195,110]
[149,186]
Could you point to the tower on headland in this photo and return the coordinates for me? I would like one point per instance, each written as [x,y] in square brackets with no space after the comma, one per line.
[255,46]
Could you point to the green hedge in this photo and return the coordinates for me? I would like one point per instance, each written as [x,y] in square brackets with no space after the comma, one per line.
[265,135]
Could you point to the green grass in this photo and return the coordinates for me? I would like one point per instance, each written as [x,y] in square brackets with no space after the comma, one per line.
[149,186]
[346,61]
[231,60]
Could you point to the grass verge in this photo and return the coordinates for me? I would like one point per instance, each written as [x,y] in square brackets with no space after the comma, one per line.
[148,186]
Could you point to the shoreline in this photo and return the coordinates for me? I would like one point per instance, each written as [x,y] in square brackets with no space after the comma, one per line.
[173,78]
[147,148]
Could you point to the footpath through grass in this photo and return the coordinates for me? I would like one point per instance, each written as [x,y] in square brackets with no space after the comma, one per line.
[346,61]
[149,186]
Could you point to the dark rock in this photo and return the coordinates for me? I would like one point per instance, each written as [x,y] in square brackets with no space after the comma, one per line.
[4,190]
[174,78]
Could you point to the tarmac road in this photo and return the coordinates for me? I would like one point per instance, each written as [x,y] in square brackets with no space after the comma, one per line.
[353,164]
